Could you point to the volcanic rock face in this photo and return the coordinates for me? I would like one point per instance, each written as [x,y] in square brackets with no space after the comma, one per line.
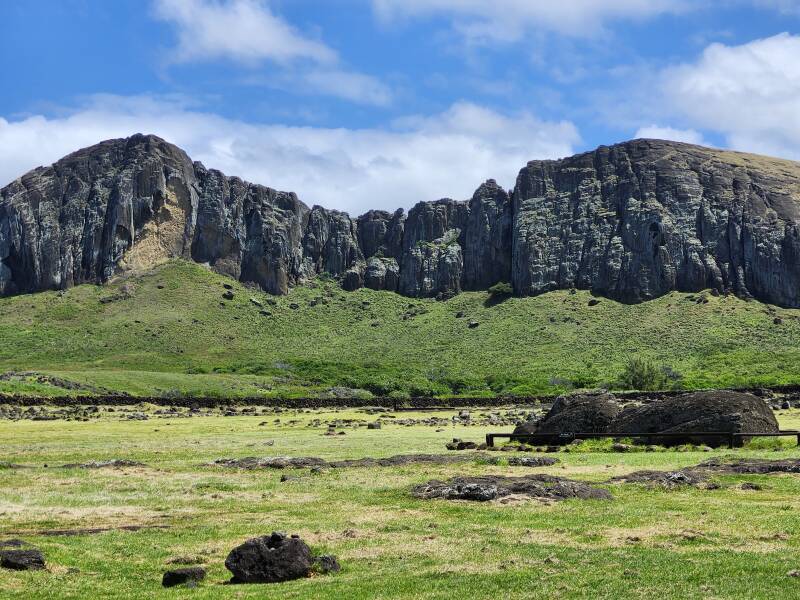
[637,220]
[631,221]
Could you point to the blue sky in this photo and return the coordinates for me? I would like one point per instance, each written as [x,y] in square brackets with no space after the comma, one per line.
[358,104]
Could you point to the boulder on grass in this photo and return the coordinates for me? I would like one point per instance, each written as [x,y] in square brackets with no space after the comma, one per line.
[270,559]
[578,413]
[26,559]
[175,577]
[719,410]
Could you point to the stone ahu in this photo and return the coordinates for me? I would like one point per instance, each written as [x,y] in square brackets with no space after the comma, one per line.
[631,221]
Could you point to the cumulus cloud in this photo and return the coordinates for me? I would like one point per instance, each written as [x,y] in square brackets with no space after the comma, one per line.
[240,30]
[417,158]
[248,33]
[509,19]
[748,93]
[690,136]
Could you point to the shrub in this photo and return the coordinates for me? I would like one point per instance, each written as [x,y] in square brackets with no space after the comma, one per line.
[501,288]
[641,374]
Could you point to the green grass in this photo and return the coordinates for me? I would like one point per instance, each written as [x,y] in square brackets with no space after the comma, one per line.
[685,543]
[172,337]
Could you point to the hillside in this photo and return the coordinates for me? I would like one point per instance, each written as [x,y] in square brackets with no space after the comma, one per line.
[169,331]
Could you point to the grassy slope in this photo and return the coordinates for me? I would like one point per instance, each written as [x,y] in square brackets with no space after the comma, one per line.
[180,340]
[686,543]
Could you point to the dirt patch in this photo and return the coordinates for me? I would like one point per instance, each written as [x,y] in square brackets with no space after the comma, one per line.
[90,530]
[750,466]
[486,488]
[663,479]
[305,462]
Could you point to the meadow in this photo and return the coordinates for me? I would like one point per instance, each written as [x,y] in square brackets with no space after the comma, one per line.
[684,542]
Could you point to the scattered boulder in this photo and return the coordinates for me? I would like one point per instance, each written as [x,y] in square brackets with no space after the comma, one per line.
[116,463]
[271,462]
[270,559]
[532,461]
[664,479]
[374,425]
[303,462]
[256,302]
[22,559]
[326,563]
[594,302]
[458,444]
[751,466]
[578,413]
[473,324]
[175,577]
[698,411]
[485,488]
[750,486]
[228,295]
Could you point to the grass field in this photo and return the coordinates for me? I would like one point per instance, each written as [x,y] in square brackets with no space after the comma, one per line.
[170,333]
[683,543]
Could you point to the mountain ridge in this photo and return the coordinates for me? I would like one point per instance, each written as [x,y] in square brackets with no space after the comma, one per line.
[631,221]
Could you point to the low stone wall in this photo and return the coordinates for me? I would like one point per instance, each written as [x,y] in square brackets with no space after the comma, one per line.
[426,403]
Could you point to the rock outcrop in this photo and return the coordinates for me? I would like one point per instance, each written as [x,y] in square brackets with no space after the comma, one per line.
[631,221]
[579,413]
[639,219]
[721,411]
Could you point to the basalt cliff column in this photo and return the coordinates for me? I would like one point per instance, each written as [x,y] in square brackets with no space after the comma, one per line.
[637,220]
[632,221]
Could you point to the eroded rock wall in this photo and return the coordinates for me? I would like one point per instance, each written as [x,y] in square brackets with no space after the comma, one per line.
[631,221]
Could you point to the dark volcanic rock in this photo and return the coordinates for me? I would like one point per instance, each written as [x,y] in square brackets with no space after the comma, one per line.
[488,237]
[664,479]
[579,413]
[482,489]
[382,274]
[331,242]
[631,221]
[175,577]
[326,563]
[698,411]
[116,463]
[755,466]
[26,559]
[303,462]
[270,559]
[639,219]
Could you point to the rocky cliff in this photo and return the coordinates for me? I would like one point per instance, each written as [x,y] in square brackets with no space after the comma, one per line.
[631,221]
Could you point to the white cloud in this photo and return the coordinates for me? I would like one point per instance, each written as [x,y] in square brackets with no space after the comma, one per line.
[348,85]
[239,30]
[248,33]
[508,20]
[749,93]
[418,158]
[690,136]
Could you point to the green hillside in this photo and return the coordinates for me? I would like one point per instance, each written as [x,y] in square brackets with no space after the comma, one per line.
[171,332]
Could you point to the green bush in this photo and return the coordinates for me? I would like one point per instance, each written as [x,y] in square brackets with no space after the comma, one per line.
[644,375]
[501,288]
